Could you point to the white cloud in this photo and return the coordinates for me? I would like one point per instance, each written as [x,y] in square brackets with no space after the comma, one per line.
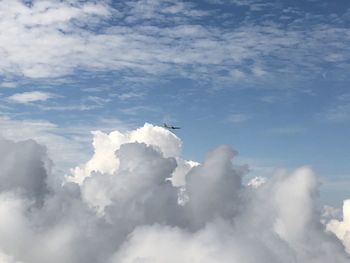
[67,146]
[55,38]
[8,85]
[330,213]
[7,259]
[130,95]
[105,146]
[257,182]
[131,213]
[85,104]
[219,241]
[32,96]
[46,40]
[341,228]
[63,149]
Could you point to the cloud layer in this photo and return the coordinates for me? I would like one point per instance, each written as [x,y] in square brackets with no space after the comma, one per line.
[45,39]
[134,212]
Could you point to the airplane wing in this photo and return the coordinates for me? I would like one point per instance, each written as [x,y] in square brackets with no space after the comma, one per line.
[170,127]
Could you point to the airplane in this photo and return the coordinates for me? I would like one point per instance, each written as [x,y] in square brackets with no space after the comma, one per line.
[170,127]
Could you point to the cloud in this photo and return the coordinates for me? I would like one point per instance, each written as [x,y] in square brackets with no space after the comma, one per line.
[67,145]
[45,35]
[341,228]
[135,39]
[105,145]
[257,182]
[87,103]
[62,144]
[8,85]
[31,96]
[253,5]
[238,118]
[279,240]
[127,209]
[339,111]
[130,95]
[24,168]
[7,259]
[292,130]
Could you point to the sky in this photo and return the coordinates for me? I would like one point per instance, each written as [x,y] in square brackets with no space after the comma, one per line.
[269,78]
[259,169]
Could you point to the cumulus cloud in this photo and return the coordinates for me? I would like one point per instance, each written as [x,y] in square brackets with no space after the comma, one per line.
[104,159]
[341,228]
[66,146]
[24,168]
[256,182]
[273,227]
[128,207]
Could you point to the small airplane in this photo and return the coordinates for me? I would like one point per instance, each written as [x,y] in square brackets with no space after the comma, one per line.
[170,127]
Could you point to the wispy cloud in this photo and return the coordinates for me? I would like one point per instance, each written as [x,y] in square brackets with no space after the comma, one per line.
[252,5]
[290,130]
[8,85]
[136,110]
[85,104]
[339,112]
[130,95]
[32,96]
[269,99]
[136,38]
[238,118]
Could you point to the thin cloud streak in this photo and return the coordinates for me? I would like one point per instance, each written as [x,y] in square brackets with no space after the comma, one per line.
[237,118]
[32,96]
[292,130]
[339,112]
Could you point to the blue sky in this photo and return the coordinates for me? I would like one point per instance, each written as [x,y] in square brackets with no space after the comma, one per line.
[269,78]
